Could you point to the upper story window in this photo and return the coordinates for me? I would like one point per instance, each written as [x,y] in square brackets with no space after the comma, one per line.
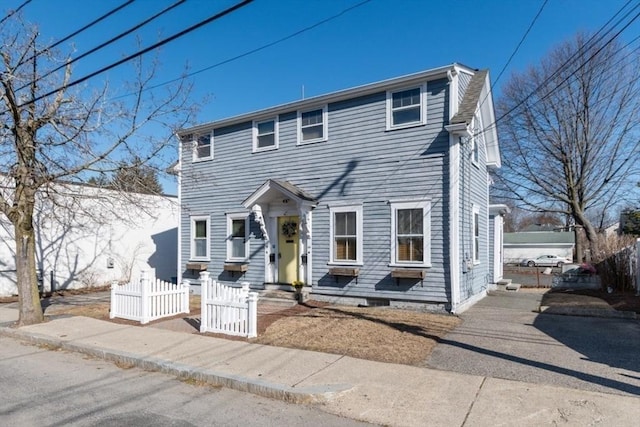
[265,135]
[476,234]
[406,108]
[346,234]
[410,233]
[199,238]
[237,237]
[203,146]
[312,125]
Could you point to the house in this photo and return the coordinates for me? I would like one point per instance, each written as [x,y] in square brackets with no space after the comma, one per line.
[88,236]
[531,244]
[372,195]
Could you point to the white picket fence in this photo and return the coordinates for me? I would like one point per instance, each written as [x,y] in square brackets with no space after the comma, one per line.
[147,298]
[228,310]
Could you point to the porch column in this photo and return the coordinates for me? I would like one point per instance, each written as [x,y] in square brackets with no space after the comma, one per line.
[305,245]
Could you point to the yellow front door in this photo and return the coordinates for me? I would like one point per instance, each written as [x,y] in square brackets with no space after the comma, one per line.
[288,249]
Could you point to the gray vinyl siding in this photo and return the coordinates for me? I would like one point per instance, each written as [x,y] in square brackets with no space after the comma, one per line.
[473,192]
[360,163]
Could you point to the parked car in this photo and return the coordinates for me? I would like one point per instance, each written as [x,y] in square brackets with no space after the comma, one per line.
[546,261]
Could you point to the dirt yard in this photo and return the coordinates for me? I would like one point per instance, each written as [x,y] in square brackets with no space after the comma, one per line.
[381,334]
[592,298]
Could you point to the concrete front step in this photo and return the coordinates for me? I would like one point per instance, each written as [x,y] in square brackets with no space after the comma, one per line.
[275,299]
[512,287]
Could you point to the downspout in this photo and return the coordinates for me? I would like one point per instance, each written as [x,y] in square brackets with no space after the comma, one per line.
[179,175]
[454,199]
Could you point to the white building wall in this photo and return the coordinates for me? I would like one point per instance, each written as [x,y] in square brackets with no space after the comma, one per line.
[514,253]
[94,239]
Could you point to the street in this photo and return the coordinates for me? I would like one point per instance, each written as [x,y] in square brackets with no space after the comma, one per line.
[43,387]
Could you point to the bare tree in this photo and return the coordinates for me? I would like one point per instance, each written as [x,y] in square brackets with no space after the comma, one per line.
[68,136]
[569,131]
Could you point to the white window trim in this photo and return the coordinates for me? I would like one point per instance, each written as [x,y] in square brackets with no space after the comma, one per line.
[476,129]
[276,135]
[195,147]
[425,205]
[423,107]
[230,218]
[359,234]
[325,125]
[192,252]
[475,211]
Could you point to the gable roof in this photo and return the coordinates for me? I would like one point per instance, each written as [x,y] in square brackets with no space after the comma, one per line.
[389,84]
[281,187]
[471,99]
[478,96]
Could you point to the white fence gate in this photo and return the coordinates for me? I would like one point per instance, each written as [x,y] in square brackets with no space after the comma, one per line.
[147,299]
[228,310]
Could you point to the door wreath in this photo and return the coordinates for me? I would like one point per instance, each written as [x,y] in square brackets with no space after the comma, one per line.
[289,228]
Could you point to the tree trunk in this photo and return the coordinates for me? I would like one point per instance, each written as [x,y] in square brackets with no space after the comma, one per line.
[590,235]
[30,308]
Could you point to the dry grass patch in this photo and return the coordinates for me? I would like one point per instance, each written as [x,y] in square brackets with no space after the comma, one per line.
[573,300]
[97,311]
[380,334]
[101,310]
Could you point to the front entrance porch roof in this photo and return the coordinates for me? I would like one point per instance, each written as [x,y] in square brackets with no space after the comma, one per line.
[274,189]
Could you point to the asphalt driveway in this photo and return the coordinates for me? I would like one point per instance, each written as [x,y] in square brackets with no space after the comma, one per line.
[503,337]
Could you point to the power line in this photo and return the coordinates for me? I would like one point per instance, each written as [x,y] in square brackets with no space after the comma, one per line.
[258,49]
[108,42]
[566,63]
[143,51]
[587,45]
[524,36]
[13,12]
[75,33]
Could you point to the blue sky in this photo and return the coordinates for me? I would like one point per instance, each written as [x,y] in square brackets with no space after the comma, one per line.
[377,40]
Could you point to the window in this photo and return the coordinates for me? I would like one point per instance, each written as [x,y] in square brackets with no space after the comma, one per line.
[237,237]
[346,234]
[405,108]
[476,235]
[410,228]
[203,147]
[475,144]
[312,125]
[265,135]
[199,238]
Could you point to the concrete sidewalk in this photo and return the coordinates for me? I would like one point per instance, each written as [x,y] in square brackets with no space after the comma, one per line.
[380,393]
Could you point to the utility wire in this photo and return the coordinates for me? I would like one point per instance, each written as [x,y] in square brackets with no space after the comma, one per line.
[524,36]
[13,12]
[75,33]
[573,58]
[108,42]
[142,52]
[560,68]
[258,49]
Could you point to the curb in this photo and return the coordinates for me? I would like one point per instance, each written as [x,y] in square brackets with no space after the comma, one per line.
[587,312]
[317,394]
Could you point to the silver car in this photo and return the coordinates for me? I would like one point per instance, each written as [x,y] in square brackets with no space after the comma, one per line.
[546,261]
